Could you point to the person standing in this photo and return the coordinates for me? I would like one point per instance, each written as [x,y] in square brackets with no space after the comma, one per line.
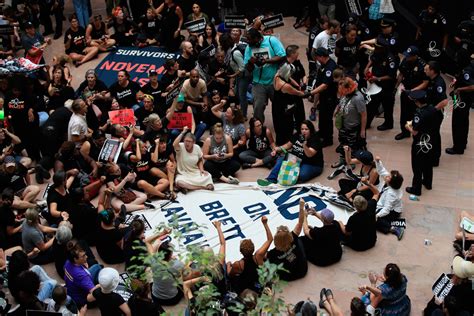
[172,21]
[464,96]
[411,75]
[431,32]
[81,7]
[327,8]
[327,38]
[262,57]
[327,91]
[423,130]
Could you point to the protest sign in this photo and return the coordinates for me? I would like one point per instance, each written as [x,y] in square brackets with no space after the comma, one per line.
[197,26]
[180,120]
[273,22]
[399,222]
[442,287]
[124,117]
[234,22]
[110,150]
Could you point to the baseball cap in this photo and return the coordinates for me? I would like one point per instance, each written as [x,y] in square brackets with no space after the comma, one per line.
[462,268]
[152,73]
[417,94]
[364,156]
[108,279]
[411,51]
[327,214]
[9,161]
[180,98]
[28,25]
[321,51]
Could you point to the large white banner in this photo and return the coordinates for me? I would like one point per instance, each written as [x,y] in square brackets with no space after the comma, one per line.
[239,208]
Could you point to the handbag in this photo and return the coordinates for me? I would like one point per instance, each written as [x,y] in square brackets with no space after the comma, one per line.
[127,196]
[339,120]
[289,171]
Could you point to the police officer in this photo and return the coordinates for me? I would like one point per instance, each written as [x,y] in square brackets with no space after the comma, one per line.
[412,74]
[327,90]
[387,35]
[322,24]
[463,95]
[464,36]
[384,67]
[422,128]
[431,33]
[436,96]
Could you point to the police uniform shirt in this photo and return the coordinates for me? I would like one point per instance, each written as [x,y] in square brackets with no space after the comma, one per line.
[325,76]
[413,73]
[433,27]
[423,122]
[467,77]
[312,35]
[436,91]
[465,32]
[384,65]
[392,40]
[347,54]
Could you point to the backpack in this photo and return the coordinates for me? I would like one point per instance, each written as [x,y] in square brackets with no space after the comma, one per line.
[241,48]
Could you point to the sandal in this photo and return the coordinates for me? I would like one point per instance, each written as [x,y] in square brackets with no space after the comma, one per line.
[233,180]
[328,293]
[322,298]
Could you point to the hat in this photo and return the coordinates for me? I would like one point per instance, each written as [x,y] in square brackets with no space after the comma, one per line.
[327,214]
[411,51]
[28,25]
[462,268]
[321,51]
[364,156]
[417,94]
[180,98]
[108,279]
[152,72]
[387,22]
[9,161]
[91,72]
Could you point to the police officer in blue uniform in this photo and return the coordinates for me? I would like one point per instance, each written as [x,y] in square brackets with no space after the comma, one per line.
[431,34]
[423,128]
[464,36]
[384,67]
[389,35]
[411,74]
[463,99]
[327,90]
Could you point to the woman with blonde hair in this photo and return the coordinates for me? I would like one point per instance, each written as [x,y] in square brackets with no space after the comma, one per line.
[218,151]
[289,250]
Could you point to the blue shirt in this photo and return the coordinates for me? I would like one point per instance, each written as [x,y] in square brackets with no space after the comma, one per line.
[269,48]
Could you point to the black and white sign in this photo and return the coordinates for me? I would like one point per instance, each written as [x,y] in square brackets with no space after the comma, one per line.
[110,150]
[209,50]
[400,222]
[272,22]
[198,26]
[172,94]
[442,287]
[132,217]
[234,22]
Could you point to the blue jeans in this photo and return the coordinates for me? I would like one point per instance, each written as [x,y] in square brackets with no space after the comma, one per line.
[307,171]
[241,88]
[47,283]
[81,8]
[94,271]
[200,129]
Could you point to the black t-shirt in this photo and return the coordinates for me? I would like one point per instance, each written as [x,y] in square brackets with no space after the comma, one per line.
[187,64]
[126,96]
[59,121]
[98,87]
[63,202]
[107,246]
[158,100]
[141,114]
[347,54]
[151,134]
[168,79]
[142,167]
[78,40]
[293,260]
[15,180]
[326,244]
[108,303]
[7,219]
[150,28]
[362,227]
[18,109]
[139,307]
[134,250]
[297,140]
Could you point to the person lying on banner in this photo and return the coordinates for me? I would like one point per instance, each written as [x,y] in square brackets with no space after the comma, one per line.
[306,146]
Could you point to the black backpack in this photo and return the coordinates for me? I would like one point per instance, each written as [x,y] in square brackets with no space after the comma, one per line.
[241,47]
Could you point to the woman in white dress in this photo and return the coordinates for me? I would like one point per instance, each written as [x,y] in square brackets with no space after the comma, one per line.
[191,174]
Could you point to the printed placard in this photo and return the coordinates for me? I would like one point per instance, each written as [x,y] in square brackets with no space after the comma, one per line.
[467,224]
[209,50]
[124,117]
[234,22]
[399,222]
[110,151]
[261,53]
[273,22]
[197,26]
[442,287]
[130,217]
[180,120]
[172,94]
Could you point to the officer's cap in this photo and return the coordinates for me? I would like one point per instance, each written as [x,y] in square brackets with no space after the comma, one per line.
[411,51]
[417,95]
[321,51]
[386,22]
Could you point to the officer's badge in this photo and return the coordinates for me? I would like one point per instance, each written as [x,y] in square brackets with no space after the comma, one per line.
[392,64]
[392,41]
[415,69]
[435,21]
[416,119]
[439,89]
[328,73]
[466,76]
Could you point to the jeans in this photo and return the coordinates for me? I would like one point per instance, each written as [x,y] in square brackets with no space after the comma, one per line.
[384,224]
[200,129]
[47,284]
[82,11]
[261,94]
[327,10]
[307,171]
[94,271]
[241,87]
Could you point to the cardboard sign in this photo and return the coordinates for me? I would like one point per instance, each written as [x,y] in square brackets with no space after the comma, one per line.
[442,287]
[234,22]
[110,150]
[209,50]
[180,120]
[272,22]
[198,26]
[130,217]
[467,224]
[400,222]
[123,117]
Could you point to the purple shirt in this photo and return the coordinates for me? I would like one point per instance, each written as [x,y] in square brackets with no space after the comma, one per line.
[78,282]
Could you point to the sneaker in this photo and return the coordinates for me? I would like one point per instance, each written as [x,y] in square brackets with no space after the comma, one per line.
[312,115]
[398,231]
[233,180]
[264,182]
[246,165]
[148,205]
[337,172]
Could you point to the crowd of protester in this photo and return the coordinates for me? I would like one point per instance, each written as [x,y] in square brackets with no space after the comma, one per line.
[53,132]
